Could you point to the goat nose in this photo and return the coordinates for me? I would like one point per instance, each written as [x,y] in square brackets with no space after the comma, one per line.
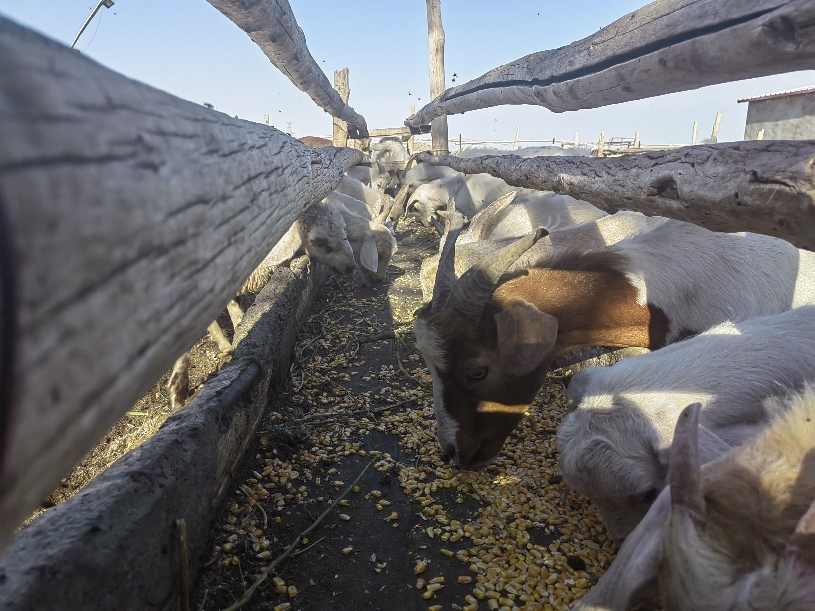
[449,450]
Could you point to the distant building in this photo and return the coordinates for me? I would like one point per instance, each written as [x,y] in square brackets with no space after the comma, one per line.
[785,115]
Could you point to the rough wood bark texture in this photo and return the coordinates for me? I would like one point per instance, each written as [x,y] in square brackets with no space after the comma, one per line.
[667,46]
[435,35]
[340,127]
[133,218]
[761,186]
[119,529]
[272,26]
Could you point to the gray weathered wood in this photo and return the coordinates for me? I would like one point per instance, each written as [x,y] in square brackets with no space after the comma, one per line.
[665,47]
[340,127]
[435,35]
[271,24]
[119,528]
[389,131]
[760,186]
[134,217]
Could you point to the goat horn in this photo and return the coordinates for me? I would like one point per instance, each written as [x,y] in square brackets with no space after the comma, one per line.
[446,270]
[386,210]
[484,222]
[684,467]
[473,289]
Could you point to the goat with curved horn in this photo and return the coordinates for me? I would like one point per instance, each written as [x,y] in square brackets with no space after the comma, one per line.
[473,289]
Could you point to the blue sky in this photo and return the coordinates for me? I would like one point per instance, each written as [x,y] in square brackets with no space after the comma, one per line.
[188,48]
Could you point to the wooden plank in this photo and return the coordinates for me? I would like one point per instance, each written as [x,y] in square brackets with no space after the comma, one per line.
[272,26]
[124,518]
[132,217]
[435,35]
[389,131]
[665,47]
[340,127]
[760,186]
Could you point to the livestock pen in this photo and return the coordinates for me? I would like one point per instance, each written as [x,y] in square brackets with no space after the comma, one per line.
[126,231]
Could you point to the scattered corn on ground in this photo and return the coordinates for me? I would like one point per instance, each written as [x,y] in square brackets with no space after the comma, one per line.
[415,533]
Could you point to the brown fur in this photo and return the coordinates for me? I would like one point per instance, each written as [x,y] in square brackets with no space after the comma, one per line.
[315,141]
[591,307]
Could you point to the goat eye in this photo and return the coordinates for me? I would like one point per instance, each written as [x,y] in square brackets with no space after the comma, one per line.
[643,499]
[478,374]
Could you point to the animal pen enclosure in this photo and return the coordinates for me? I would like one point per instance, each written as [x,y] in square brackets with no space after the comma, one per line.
[106,268]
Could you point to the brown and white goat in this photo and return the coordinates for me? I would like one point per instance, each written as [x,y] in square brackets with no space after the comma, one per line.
[488,339]
[737,533]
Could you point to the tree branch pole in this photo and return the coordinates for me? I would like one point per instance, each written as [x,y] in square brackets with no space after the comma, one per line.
[760,186]
[272,26]
[435,35]
[340,127]
[131,218]
[664,47]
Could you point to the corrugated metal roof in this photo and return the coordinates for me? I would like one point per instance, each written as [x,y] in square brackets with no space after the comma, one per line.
[781,94]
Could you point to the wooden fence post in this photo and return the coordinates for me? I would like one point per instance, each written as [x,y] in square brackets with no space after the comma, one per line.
[435,34]
[411,143]
[601,144]
[636,140]
[695,128]
[340,132]
[576,139]
[517,133]
[714,136]
[131,229]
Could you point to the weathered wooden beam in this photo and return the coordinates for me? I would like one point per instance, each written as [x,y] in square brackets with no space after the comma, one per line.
[665,47]
[272,26]
[435,35]
[389,131]
[130,219]
[760,186]
[340,127]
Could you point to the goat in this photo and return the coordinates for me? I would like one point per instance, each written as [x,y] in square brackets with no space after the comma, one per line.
[375,176]
[478,242]
[354,188]
[736,533]
[615,445]
[471,193]
[389,148]
[423,173]
[488,339]
[371,239]
[320,232]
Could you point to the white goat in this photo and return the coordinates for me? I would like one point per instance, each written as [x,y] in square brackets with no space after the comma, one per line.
[354,188]
[375,176]
[736,533]
[489,338]
[389,148]
[479,242]
[371,239]
[615,445]
[471,193]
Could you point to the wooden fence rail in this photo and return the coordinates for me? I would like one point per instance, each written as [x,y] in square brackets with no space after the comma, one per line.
[665,47]
[761,186]
[130,217]
[271,24]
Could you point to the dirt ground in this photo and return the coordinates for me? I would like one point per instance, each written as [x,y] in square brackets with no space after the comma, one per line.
[413,534]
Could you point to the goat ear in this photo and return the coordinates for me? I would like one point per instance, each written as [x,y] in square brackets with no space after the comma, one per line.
[526,337]
[368,256]
[802,543]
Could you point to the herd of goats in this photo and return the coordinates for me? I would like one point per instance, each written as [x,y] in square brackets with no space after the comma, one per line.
[699,452]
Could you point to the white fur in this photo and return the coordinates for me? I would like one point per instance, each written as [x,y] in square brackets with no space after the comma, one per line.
[699,278]
[470,193]
[429,344]
[614,445]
